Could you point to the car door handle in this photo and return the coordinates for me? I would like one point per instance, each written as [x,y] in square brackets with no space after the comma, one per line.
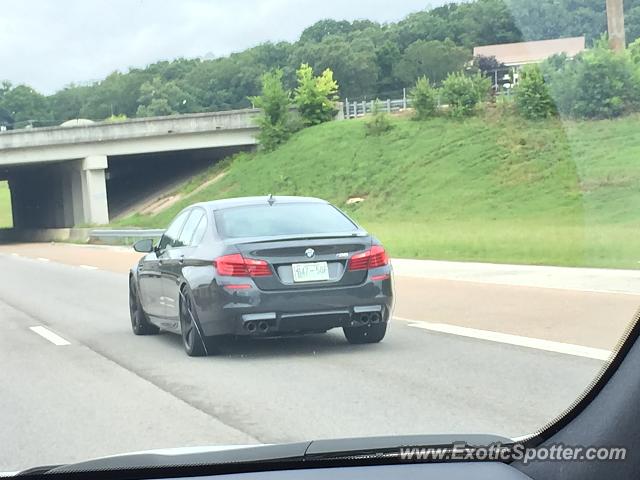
[181,260]
[160,262]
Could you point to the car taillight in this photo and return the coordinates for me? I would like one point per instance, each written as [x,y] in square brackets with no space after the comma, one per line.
[236,265]
[375,257]
[378,257]
[360,261]
[257,268]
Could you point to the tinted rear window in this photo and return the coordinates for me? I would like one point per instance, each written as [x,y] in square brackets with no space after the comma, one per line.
[283,219]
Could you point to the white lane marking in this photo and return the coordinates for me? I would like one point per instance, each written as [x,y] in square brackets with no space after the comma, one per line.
[88,267]
[43,259]
[520,341]
[49,335]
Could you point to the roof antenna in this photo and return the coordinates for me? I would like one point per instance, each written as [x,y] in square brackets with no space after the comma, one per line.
[271,200]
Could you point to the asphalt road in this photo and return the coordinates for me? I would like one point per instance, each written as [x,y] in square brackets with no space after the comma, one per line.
[108,391]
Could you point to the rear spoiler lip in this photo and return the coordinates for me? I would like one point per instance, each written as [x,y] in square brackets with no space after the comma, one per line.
[284,238]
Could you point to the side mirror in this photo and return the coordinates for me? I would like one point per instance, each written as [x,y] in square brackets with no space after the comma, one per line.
[143,246]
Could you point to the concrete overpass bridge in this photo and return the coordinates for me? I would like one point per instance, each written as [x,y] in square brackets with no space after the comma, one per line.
[66,176]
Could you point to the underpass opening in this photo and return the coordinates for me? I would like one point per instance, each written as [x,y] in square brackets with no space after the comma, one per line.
[41,196]
[135,181]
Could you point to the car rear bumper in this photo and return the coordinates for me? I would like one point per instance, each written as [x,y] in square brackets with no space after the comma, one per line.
[274,323]
[254,312]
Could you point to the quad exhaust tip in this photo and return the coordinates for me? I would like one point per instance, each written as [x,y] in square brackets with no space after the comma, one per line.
[255,326]
[369,318]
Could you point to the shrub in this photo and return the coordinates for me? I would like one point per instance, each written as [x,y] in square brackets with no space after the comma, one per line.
[116,118]
[315,96]
[424,99]
[464,92]
[598,83]
[379,121]
[274,120]
[533,99]
[634,51]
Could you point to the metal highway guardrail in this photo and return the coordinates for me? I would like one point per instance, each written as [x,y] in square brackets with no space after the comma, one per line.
[124,234]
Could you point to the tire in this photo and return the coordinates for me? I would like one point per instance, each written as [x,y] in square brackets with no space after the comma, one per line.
[195,344]
[367,334]
[139,321]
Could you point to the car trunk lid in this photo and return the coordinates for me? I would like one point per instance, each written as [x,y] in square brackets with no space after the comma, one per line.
[307,262]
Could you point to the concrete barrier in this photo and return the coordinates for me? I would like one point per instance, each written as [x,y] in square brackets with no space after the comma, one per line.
[15,235]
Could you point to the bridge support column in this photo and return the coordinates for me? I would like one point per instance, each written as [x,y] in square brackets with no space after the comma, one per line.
[89,191]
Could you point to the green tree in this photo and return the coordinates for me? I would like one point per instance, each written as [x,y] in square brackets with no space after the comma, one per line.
[228,82]
[275,119]
[598,83]
[68,103]
[6,119]
[464,92]
[155,107]
[424,25]
[315,97]
[158,97]
[324,28]
[329,27]
[533,98]
[632,23]
[353,62]
[24,106]
[424,99]
[483,22]
[387,55]
[434,58]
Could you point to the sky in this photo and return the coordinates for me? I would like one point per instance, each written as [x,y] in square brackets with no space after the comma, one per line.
[49,44]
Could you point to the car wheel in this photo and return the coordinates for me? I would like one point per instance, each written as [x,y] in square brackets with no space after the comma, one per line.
[366,334]
[139,321]
[195,344]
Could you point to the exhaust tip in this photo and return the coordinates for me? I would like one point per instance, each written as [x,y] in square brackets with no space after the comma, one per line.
[263,326]
[375,318]
[251,326]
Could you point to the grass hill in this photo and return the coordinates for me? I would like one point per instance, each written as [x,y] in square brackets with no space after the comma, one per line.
[490,188]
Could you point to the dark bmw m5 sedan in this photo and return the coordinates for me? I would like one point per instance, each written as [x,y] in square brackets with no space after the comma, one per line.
[261,266]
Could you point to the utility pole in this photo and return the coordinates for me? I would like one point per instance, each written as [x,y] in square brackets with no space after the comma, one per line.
[615,25]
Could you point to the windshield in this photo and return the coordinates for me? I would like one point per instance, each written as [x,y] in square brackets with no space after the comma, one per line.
[227,223]
[285,219]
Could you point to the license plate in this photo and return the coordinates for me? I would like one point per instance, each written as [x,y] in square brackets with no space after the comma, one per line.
[310,272]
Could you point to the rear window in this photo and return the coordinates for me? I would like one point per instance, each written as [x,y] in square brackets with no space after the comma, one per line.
[283,219]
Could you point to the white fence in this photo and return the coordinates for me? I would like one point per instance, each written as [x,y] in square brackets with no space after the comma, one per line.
[502,82]
[359,109]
